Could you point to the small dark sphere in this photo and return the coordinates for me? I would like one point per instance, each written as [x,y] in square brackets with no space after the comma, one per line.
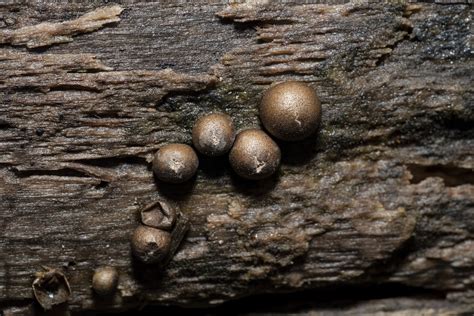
[290,110]
[39,131]
[254,155]
[105,280]
[150,245]
[213,134]
[175,163]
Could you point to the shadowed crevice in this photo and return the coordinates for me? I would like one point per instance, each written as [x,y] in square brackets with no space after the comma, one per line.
[113,162]
[337,298]
[66,172]
[452,175]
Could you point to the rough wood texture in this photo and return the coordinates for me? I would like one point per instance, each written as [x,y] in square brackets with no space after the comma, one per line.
[383,195]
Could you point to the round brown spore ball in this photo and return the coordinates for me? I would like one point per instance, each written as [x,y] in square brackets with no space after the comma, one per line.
[105,280]
[290,110]
[150,245]
[213,134]
[254,155]
[175,163]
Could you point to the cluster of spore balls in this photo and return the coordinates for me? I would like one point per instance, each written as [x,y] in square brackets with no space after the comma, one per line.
[289,111]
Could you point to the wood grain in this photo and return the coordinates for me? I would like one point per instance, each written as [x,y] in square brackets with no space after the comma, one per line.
[382,195]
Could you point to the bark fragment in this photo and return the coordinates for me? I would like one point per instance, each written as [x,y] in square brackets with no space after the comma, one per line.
[46,34]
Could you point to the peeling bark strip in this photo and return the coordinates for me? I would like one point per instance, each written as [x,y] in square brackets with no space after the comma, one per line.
[375,201]
[46,34]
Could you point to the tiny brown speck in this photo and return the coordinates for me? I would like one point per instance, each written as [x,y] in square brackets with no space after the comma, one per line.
[105,280]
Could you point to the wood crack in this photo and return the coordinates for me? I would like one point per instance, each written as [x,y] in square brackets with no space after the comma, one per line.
[452,175]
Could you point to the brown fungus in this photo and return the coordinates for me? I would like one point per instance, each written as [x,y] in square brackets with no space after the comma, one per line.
[290,110]
[51,288]
[150,245]
[254,155]
[175,163]
[213,134]
[105,280]
[160,214]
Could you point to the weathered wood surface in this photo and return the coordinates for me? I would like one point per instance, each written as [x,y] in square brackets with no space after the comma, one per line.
[383,195]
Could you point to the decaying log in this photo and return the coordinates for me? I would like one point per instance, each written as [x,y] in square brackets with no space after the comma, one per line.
[383,195]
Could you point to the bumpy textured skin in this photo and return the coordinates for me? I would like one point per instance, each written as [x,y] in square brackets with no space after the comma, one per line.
[150,245]
[175,163]
[290,110]
[255,155]
[105,280]
[214,134]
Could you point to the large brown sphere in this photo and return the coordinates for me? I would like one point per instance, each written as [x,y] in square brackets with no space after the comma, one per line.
[150,245]
[105,280]
[213,134]
[254,155]
[175,163]
[290,110]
